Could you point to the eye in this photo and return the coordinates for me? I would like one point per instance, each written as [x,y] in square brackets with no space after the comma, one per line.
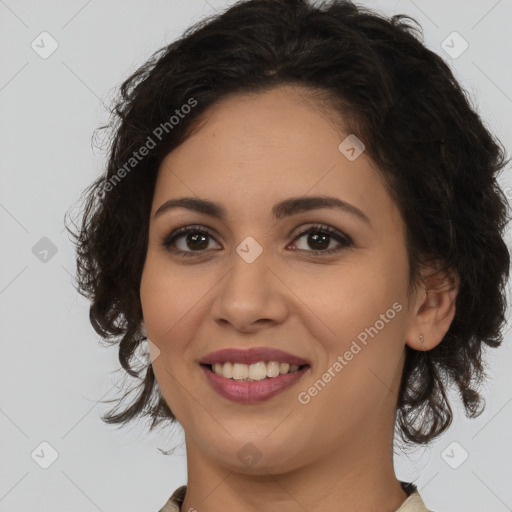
[320,238]
[193,239]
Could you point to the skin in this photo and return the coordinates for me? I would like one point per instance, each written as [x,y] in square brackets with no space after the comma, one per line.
[335,452]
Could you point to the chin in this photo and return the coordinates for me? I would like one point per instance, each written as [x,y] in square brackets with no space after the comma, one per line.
[258,455]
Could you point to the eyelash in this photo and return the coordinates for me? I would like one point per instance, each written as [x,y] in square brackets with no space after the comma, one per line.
[343,239]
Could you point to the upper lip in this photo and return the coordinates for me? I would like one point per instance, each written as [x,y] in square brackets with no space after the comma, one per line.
[252,355]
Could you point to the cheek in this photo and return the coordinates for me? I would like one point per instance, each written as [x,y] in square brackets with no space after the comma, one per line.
[360,322]
[169,301]
[172,308]
[362,364]
[345,299]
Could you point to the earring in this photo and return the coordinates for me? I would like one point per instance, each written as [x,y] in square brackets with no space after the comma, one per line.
[421,338]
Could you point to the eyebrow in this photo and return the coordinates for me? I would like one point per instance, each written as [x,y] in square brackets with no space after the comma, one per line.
[280,210]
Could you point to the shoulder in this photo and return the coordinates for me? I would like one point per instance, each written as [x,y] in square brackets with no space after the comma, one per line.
[414,502]
[175,501]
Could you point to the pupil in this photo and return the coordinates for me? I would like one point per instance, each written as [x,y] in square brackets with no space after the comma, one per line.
[197,238]
[315,239]
[199,241]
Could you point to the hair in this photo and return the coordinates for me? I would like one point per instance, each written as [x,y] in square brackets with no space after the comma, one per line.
[418,125]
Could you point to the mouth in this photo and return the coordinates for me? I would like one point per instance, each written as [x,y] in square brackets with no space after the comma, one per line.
[258,372]
[244,389]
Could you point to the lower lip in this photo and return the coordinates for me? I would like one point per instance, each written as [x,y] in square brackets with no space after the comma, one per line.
[249,392]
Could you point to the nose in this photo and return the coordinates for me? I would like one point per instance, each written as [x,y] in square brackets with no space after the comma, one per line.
[251,296]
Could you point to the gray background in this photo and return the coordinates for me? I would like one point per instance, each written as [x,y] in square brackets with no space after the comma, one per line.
[53,370]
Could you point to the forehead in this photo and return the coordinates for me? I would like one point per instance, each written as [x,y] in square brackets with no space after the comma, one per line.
[251,151]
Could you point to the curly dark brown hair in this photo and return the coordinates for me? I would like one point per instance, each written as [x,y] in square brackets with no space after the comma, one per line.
[438,159]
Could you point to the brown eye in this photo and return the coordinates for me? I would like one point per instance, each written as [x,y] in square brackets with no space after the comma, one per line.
[320,238]
[192,239]
[197,241]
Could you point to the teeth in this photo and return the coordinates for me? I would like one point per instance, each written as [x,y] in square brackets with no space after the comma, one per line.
[255,371]
[226,370]
[272,369]
[240,371]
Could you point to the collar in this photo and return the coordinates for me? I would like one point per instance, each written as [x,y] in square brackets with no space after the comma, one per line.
[413,503]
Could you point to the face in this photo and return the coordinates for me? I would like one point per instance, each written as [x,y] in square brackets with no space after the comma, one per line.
[327,284]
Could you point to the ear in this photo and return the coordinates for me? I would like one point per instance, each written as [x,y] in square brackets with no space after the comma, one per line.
[433,308]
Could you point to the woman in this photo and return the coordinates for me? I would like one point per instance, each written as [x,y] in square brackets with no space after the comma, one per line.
[300,219]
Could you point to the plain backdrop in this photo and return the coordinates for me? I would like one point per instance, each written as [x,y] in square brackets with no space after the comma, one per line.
[53,370]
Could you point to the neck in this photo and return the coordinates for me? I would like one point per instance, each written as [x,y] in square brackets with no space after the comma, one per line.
[355,477]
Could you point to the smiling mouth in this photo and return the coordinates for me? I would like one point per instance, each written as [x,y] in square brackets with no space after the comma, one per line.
[242,373]
[245,390]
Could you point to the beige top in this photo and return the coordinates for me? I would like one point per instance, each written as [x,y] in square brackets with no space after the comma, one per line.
[413,503]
